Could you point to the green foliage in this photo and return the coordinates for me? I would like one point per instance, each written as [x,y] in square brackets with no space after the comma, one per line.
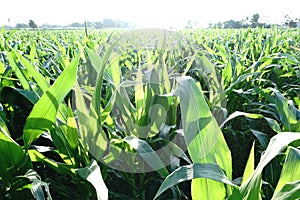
[83,113]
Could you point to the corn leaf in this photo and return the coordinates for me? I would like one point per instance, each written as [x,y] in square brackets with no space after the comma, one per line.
[38,77]
[204,139]
[289,191]
[37,185]
[148,154]
[271,122]
[92,173]
[287,117]
[290,171]
[99,143]
[189,172]
[12,158]
[43,114]
[251,188]
[36,156]
[249,169]
[19,72]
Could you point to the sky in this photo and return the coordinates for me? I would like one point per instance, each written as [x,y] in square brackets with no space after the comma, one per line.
[144,13]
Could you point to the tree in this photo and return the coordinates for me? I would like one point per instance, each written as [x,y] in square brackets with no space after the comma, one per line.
[254,20]
[76,25]
[233,24]
[21,25]
[32,24]
[98,25]
[291,23]
[108,23]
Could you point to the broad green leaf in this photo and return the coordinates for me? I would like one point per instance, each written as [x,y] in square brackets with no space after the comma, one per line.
[148,154]
[139,94]
[38,77]
[65,137]
[43,114]
[165,77]
[289,191]
[272,123]
[3,127]
[81,112]
[95,131]
[241,79]
[62,168]
[95,59]
[72,133]
[227,73]
[189,172]
[262,138]
[286,115]
[291,169]
[249,169]
[19,72]
[203,137]
[12,158]
[59,138]
[92,173]
[32,55]
[124,106]
[2,68]
[174,149]
[252,187]
[189,64]
[238,113]
[113,72]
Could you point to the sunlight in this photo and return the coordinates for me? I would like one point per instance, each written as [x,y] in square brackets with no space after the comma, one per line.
[154,13]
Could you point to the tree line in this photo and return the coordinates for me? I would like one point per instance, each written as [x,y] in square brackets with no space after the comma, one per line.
[105,23]
[253,23]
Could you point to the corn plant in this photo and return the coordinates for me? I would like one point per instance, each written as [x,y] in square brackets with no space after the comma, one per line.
[202,114]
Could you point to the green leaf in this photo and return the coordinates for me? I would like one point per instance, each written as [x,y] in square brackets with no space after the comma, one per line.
[72,132]
[249,169]
[92,173]
[95,131]
[241,79]
[204,139]
[37,186]
[95,59]
[272,123]
[189,172]
[65,137]
[262,138]
[19,72]
[227,73]
[38,77]
[252,187]
[12,158]
[148,154]
[290,170]
[287,117]
[82,112]
[29,95]
[43,114]
[289,191]
[36,156]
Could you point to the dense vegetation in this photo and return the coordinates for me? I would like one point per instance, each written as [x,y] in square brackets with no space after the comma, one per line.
[202,114]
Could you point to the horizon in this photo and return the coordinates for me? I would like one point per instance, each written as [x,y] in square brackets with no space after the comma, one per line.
[143,14]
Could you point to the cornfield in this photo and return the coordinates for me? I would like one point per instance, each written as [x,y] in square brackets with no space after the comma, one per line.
[150,114]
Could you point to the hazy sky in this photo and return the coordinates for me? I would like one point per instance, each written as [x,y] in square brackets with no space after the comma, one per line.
[145,13]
